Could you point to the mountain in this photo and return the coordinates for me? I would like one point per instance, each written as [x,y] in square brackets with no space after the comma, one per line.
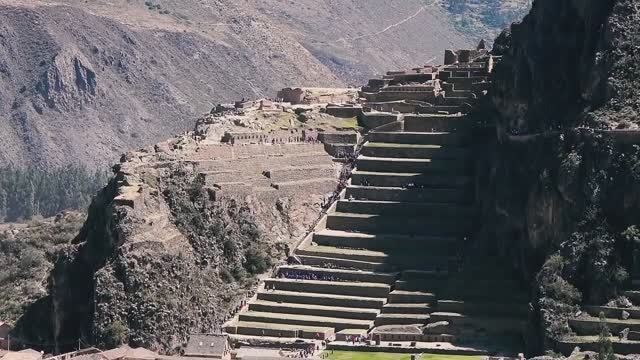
[85,81]
[485,18]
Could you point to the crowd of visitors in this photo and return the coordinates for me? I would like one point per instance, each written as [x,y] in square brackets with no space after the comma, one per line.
[305,275]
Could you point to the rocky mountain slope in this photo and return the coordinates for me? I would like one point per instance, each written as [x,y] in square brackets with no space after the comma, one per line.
[485,18]
[88,80]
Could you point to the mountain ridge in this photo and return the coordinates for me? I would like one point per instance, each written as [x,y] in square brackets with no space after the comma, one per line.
[85,82]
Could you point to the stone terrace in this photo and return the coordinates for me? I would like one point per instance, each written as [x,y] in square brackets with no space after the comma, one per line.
[623,322]
[388,260]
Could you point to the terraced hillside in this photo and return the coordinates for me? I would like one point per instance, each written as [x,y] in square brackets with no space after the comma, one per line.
[391,259]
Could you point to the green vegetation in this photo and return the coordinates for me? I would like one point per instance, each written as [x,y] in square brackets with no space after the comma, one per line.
[27,193]
[359,355]
[27,254]
[605,348]
[224,232]
[117,334]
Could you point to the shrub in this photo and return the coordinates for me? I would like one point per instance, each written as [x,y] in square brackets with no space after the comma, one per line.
[558,298]
[553,285]
[257,261]
[605,348]
[117,333]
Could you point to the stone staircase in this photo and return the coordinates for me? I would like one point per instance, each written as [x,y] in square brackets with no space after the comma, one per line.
[391,258]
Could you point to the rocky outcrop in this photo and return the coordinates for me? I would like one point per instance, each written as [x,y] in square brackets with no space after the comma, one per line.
[569,64]
[67,82]
[178,237]
[556,180]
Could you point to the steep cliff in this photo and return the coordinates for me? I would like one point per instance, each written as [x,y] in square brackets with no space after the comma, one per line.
[559,187]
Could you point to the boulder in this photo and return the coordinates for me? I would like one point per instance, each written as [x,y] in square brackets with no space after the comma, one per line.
[624,334]
[439,327]
[624,315]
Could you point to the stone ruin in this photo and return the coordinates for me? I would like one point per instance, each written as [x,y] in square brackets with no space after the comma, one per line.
[451,88]
[310,96]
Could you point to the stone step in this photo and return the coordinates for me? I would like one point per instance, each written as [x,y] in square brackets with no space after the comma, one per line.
[401,319]
[462,286]
[445,109]
[482,290]
[340,151]
[612,312]
[420,195]
[314,310]
[457,100]
[465,213]
[389,259]
[465,79]
[337,263]
[258,162]
[293,173]
[450,91]
[437,123]
[342,137]
[474,308]
[347,239]
[591,343]
[408,165]
[423,138]
[343,253]
[438,339]
[414,151]
[591,325]
[490,323]
[409,308]
[404,180]
[423,275]
[329,287]
[322,185]
[397,224]
[339,274]
[456,289]
[278,330]
[304,320]
[413,297]
[321,299]
[412,285]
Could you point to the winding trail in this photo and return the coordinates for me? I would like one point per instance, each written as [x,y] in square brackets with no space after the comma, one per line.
[377,33]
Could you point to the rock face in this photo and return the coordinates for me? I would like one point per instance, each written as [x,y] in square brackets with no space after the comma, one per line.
[557,180]
[569,64]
